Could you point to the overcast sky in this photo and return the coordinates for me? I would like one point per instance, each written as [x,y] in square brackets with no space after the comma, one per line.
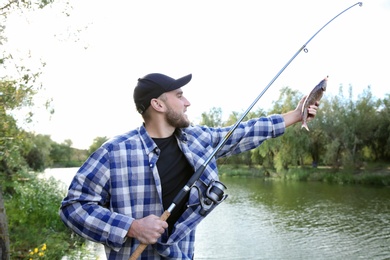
[232,48]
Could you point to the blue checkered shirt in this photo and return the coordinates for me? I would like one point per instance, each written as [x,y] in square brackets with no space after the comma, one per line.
[119,182]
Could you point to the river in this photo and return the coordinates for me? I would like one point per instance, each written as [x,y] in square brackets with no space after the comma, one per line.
[263,219]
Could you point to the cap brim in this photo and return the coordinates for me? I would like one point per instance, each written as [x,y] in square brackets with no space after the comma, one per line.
[180,82]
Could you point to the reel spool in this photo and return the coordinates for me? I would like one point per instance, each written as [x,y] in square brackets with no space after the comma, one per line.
[214,195]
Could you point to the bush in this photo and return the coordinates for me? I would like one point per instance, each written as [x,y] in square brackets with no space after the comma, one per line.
[35,228]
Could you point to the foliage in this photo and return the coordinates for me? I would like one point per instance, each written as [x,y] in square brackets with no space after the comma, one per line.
[213,118]
[19,150]
[97,142]
[38,155]
[33,219]
[352,124]
[11,137]
[63,155]
[379,146]
[17,90]
[10,5]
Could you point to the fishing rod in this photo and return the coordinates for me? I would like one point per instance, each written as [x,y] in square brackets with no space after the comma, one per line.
[217,190]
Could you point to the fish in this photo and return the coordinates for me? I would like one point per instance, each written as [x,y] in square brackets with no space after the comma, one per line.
[314,96]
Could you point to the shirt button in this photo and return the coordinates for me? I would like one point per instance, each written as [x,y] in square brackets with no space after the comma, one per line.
[151,165]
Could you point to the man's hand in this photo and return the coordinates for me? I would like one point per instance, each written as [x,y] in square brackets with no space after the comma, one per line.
[295,115]
[148,229]
[312,109]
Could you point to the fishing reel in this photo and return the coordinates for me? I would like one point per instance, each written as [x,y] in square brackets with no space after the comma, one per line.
[214,196]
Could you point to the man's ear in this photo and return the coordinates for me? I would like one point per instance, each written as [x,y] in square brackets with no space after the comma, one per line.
[157,105]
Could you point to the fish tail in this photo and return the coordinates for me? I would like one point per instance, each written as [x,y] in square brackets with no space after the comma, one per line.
[304,125]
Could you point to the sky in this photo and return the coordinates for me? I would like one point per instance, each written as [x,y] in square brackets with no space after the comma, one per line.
[233,49]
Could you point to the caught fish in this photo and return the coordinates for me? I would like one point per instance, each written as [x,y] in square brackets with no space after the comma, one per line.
[314,96]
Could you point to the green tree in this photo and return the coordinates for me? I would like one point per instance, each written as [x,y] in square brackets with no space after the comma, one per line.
[380,146]
[38,156]
[367,122]
[349,126]
[97,142]
[58,153]
[15,92]
[11,136]
[332,124]
[213,118]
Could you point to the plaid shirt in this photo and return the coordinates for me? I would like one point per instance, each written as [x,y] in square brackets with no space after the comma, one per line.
[119,182]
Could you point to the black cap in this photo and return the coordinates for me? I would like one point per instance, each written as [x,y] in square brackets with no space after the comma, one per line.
[152,86]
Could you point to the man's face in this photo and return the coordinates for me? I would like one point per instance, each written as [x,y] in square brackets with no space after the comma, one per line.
[176,105]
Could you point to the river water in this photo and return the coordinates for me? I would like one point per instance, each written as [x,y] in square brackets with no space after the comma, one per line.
[263,219]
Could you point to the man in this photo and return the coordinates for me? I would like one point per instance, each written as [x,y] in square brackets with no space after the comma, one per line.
[119,193]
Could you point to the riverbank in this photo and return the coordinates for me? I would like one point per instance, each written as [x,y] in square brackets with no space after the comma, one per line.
[378,174]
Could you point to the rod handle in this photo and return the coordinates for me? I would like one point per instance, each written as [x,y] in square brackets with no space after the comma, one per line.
[138,251]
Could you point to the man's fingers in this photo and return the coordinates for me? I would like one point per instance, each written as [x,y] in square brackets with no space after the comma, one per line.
[148,229]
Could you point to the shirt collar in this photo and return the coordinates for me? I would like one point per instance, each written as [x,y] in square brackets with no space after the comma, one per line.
[181,135]
[150,145]
[147,141]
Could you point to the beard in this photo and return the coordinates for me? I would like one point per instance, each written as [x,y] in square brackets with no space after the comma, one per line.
[177,120]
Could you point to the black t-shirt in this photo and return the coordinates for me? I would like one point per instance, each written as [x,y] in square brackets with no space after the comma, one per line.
[174,171]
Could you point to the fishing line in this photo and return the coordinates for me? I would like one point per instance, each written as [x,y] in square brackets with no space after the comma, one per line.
[191,183]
